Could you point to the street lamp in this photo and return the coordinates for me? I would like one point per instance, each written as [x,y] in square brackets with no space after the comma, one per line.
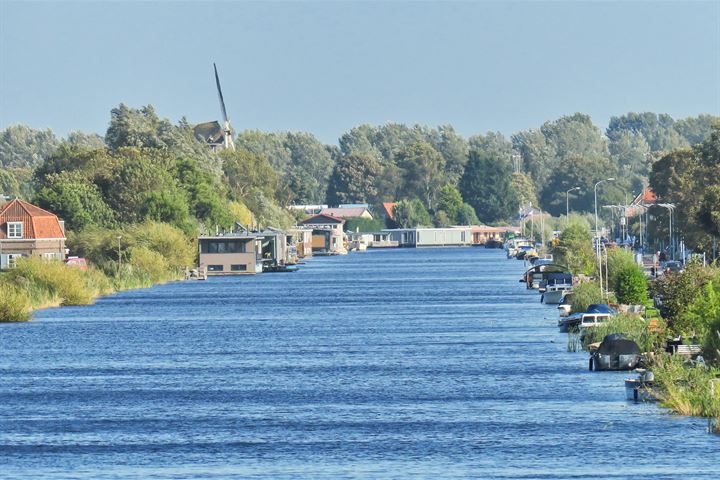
[567,204]
[595,188]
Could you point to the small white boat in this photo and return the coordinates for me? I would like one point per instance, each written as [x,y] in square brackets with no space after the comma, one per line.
[554,293]
[641,388]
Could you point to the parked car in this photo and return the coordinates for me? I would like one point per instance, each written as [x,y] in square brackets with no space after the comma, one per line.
[673,266]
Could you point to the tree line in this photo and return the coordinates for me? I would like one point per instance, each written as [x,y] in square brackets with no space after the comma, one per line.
[146,167]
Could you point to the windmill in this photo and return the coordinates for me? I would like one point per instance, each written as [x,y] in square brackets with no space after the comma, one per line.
[217,136]
[227,140]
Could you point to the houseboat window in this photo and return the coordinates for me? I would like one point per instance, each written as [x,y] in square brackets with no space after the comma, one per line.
[215,268]
[15,230]
[238,268]
[223,246]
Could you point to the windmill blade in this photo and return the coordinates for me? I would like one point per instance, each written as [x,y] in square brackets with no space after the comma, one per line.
[220,95]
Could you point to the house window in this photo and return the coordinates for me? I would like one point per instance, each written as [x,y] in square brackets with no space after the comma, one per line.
[12,259]
[238,268]
[51,256]
[15,230]
[215,268]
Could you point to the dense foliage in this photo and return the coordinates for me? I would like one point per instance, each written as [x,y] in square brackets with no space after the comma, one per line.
[574,248]
[690,179]
[163,173]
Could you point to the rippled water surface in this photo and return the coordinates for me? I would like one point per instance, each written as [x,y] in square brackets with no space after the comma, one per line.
[402,363]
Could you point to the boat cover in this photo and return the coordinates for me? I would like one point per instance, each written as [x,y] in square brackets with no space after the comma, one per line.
[618,344]
[600,308]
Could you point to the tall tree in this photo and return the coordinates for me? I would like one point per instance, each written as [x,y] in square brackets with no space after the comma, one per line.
[354,179]
[422,172]
[487,186]
[25,147]
[411,213]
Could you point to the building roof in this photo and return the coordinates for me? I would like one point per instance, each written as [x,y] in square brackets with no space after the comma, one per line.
[322,219]
[389,209]
[37,223]
[647,197]
[210,132]
[346,212]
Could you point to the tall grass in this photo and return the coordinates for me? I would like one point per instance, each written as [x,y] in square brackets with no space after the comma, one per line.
[148,253]
[633,326]
[14,304]
[688,389]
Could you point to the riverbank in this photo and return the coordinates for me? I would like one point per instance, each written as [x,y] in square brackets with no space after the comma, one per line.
[35,284]
[684,384]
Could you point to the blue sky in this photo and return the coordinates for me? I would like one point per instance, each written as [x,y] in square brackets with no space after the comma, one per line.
[325,67]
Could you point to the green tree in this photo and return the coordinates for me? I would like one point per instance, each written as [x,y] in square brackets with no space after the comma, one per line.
[657,129]
[487,186]
[524,188]
[169,206]
[583,172]
[450,201]
[412,213]
[25,147]
[574,249]
[466,215]
[246,172]
[78,202]
[422,172]
[632,287]
[354,179]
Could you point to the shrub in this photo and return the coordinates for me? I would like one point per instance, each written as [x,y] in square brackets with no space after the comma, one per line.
[633,326]
[14,304]
[584,295]
[150,263]
[631,286]
[574,249]
[47,282]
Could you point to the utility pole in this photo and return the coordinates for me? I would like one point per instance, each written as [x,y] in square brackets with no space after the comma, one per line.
[119,255]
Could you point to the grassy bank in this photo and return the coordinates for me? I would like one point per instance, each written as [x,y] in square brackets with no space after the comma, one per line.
[690,310]
[148,254]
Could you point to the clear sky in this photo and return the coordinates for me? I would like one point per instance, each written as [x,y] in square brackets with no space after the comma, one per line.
[325,67]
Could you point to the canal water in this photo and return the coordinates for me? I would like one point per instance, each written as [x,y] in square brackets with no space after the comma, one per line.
[431,363]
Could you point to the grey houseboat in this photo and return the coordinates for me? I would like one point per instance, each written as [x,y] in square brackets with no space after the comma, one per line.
[230,254]
[431,237]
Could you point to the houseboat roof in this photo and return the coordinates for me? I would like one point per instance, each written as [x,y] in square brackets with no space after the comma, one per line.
[345,212]
[322,219]
[37,223]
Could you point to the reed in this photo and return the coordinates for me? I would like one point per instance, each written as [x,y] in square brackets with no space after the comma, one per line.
[687,388]
[14,304]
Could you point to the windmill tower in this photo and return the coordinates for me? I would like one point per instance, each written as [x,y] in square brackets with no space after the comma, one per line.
[218,137]
[227,137]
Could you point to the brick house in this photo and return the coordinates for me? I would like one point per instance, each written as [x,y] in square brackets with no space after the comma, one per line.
[27,230]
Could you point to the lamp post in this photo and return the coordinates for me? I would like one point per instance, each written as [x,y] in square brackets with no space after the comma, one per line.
[596,211]
[567,204]
[119,257]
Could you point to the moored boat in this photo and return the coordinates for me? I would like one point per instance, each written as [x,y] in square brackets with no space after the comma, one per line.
[641,389]
[616,352]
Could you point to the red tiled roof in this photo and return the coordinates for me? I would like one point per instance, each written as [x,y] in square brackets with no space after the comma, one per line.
[389,208]
[37,223]
[647,197]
